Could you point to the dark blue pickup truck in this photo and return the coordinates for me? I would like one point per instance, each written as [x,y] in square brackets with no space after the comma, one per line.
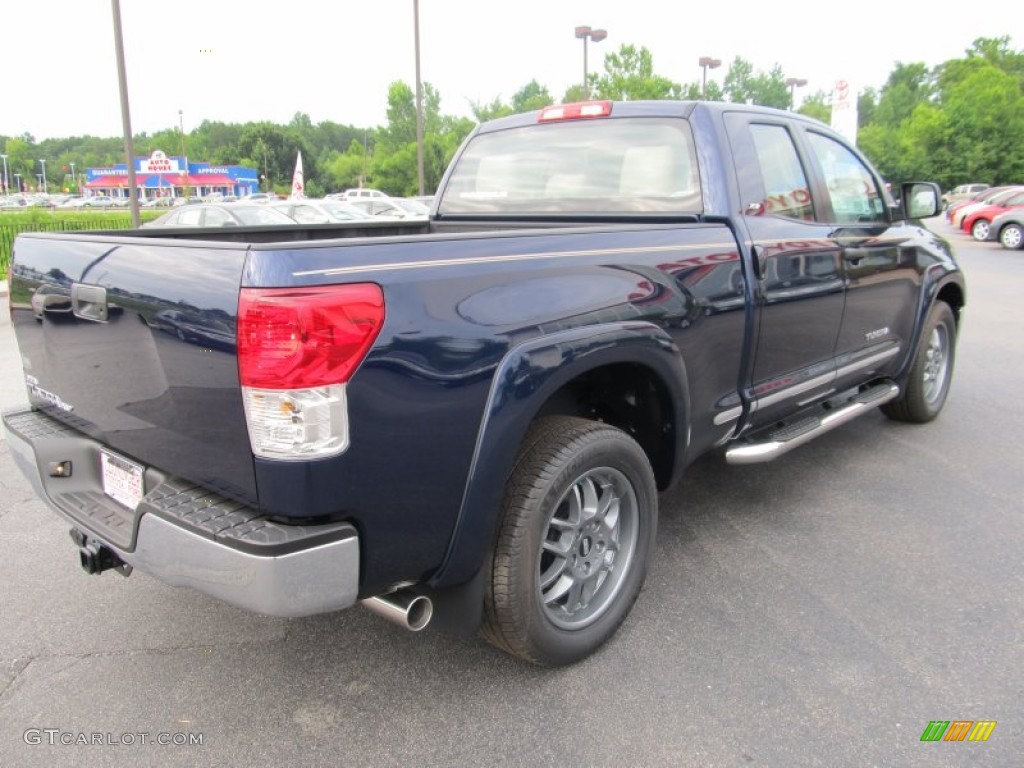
[469,419]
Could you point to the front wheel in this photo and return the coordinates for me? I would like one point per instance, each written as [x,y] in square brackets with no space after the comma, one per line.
[577,531]
[931,372]
[980,229]
[1012,236]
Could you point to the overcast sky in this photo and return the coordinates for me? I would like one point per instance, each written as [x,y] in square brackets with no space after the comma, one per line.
[238,61]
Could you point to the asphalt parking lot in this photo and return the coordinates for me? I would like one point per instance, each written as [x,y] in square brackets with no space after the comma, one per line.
[820,610]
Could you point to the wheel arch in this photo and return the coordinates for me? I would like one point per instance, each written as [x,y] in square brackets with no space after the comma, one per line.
[629,375]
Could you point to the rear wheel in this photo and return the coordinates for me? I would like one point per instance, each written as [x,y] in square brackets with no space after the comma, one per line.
[1012,237]
[578,527]
[931,372]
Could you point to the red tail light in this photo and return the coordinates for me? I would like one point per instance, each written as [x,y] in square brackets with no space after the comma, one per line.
[299,338]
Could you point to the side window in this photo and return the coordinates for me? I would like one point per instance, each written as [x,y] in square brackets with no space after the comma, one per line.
[305,214]
[785,183]
[216,218]
[190,217]
[851,187]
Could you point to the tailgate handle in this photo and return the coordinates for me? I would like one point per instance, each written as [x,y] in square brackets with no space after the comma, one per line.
[89,302]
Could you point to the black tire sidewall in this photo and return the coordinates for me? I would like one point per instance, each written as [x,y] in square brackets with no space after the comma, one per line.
[593,446]
[920,408]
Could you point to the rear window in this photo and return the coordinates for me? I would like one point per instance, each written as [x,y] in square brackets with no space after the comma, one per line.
[597,166]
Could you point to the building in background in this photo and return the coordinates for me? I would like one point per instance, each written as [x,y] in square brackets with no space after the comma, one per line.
[161,176]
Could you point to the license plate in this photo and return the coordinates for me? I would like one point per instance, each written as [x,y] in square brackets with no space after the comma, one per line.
[122,479]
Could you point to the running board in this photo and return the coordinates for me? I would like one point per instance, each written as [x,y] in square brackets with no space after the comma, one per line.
[794,435]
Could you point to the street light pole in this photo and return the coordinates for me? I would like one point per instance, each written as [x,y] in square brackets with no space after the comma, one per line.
[7,179]
[584,34]
[419,98]
[794,83]
[43,163]
[706,63]
[184,157]
[74,179]
[126,119]
[17,181]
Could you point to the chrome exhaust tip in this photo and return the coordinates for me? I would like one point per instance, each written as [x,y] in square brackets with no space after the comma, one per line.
[407,609]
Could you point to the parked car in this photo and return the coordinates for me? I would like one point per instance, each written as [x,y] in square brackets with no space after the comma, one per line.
[51,298]
[363,193]
[216,215]
[1008,229]
[74,202]
[319,211]
[160,202]
[258,198]
[99,201]
[386,208]
[962,192]
[412,207]
[956,213]
[979,221]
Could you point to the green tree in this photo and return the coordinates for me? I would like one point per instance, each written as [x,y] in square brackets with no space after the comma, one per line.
[908,85]
[818,105]
[629,75]
[745,86]
[530,97]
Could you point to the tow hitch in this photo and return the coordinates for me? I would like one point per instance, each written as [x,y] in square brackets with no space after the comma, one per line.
[97,558]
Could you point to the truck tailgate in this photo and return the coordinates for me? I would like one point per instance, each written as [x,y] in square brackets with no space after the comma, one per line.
[132,342]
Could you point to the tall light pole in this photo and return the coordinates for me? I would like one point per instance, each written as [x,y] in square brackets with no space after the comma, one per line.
[126,118]
[585,34]
[184,157]
[17,181]
[794,83]
[419,97]
[706,63]
[43,163]
[7,179]
[74,179]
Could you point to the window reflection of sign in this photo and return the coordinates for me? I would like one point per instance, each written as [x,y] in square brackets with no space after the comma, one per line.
[795,203]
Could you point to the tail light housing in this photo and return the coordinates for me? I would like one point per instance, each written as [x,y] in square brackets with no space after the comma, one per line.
[297,350]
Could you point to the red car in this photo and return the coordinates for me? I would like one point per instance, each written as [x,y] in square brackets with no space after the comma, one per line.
[979,221]
[955,213]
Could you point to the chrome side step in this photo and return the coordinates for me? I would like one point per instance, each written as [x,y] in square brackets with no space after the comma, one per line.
[794,435]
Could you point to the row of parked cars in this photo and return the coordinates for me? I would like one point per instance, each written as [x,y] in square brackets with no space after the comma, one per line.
[271,212]
[993,213]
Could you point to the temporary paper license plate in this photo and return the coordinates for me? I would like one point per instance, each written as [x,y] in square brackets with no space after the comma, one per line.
[122,479]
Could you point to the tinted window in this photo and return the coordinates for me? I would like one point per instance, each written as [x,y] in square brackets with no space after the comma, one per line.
[786,192]
[587,166]
[852,189]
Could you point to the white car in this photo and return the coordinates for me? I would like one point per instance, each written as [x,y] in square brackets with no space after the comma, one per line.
[387,208]
[309,211]
[363,193]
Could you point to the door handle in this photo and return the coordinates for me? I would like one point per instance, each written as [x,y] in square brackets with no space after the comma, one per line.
[89,302]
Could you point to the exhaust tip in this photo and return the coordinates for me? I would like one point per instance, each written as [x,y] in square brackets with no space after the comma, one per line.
[407,609]
[419,613]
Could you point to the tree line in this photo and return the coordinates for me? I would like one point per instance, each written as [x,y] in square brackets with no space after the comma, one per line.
[961,121]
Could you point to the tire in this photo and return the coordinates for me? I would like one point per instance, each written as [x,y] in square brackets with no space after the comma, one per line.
[1012,237]
[578,527]
[931,372]
[980,229]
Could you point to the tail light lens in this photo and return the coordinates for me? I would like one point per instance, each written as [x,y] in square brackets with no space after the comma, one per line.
[297,349]
[575,111]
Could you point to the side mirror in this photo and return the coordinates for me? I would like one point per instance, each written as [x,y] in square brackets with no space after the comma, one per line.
[921,199]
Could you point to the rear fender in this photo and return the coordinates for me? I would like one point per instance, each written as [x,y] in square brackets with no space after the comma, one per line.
[527,377]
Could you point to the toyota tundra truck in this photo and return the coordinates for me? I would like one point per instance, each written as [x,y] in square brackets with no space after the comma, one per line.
[468,420]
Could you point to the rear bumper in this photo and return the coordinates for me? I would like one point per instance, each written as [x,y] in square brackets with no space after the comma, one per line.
[189,536]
